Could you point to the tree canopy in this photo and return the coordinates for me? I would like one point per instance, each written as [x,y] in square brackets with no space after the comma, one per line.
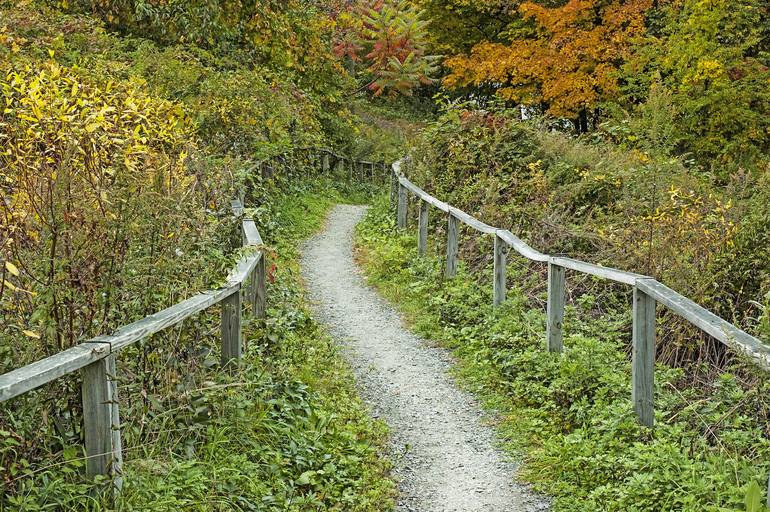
[582,60]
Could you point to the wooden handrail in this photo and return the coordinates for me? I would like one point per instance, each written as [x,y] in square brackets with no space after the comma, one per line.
[647,293]
[27,378]
[716,327]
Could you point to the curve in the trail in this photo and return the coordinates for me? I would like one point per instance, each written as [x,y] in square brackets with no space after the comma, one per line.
[444,456]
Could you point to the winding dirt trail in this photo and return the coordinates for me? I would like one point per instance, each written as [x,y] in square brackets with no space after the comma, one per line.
[444,456]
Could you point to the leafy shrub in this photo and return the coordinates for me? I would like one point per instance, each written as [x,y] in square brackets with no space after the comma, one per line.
[626,208]
[247,112]
[711,59]
[386,44]
[82,161]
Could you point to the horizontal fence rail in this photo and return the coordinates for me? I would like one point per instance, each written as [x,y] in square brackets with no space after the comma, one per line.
[347,167]
[96,358]
[647,292]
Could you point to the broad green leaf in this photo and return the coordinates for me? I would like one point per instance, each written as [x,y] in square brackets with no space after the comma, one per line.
[753,497]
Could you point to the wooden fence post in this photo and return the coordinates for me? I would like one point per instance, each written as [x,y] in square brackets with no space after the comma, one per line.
[499,288]
[422,230]
[251,290]
[394,185]
[452,247]
[643,357]
[259,297]
[403,204]
[340,168]
[101,420]
[555,314]
[231,328]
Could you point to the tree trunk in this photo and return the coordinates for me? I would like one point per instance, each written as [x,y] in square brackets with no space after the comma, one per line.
[583,120]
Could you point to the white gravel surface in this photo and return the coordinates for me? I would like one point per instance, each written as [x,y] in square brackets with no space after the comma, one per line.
[444,455]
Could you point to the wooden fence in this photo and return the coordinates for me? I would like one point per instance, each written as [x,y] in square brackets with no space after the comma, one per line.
[346,167]
[96,358]
[647,292]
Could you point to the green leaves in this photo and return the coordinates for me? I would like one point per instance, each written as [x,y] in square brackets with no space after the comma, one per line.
[305,478]
[754,497]
[712,59]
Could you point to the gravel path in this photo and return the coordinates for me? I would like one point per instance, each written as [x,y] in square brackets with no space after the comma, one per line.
[444,456]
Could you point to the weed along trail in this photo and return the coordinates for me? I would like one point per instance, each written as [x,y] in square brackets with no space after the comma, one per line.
[444,456]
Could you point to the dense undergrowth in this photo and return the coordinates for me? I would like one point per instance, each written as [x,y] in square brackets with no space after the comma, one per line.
[285,431]
[630,208]
[123,143]
[569,415]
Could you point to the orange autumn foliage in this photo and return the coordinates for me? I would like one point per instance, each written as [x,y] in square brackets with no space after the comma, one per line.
[569,64]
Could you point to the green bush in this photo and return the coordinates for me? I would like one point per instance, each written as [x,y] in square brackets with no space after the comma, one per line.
[710,59]
[629,208]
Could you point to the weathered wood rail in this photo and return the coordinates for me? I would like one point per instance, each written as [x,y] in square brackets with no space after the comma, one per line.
[647,292]
[96,359]
[353,170]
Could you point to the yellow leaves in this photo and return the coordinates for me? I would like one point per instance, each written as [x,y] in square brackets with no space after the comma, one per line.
[641,156]
[31,334]
[535,166]
[570,65]
[11,268]
[55,70]
[66,129]
[674,192]
[705,69]
[9,285]
[687,214]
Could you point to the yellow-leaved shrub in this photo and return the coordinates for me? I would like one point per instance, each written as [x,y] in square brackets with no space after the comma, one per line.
[88,169]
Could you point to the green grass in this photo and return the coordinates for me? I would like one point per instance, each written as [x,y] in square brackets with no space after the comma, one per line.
[569,416]
[284,432]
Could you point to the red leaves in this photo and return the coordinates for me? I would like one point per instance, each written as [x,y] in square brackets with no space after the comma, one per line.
[389,40]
